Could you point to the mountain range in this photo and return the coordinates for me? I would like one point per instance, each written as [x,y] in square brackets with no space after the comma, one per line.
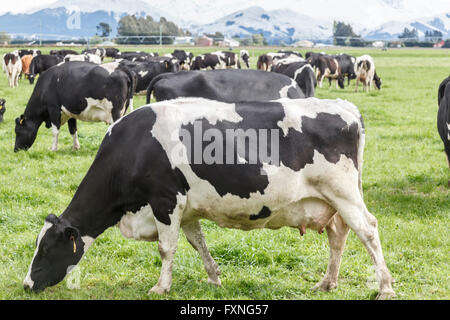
[281,21]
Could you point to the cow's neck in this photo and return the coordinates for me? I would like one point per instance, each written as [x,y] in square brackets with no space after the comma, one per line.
[95,207]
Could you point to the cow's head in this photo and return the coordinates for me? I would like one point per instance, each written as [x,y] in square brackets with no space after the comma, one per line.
[245,56]
[59,248]
[172,65]
[31,78]
[377,81]
[195,65]
[2,109]
[340,81]
[26,131]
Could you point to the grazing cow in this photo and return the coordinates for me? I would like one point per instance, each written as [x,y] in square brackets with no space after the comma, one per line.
[112,52]
[289,53]
[70,91]
[228,85]
[26,61]
[184,58]
[86,57]
[101,52]
[231,59]
[12,66]
[443,118]
[2,109]
[208,60]
[33,52]
[41,63]
[62,52]
[347,64]
[157,172]
[245,56]
[365,72]
[327,67]
[302,73]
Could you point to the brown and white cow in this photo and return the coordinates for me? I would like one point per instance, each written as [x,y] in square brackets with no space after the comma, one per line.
[327,67]
[12,66]
[365,73]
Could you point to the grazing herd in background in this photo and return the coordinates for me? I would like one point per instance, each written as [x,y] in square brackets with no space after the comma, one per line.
[321,149]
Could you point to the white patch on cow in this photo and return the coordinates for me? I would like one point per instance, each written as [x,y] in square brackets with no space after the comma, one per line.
[313,106]
[28,281]
[111,66]
[142,73]
[284,91]
[139,225]
[95,111]
[448,129]
[300,70]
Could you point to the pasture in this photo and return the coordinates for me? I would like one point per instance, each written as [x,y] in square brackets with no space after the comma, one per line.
[405,178]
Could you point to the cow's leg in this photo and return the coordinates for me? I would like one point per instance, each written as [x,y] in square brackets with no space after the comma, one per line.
[320,81]
[196,238]
[353,211]
[72,123]
[168,240]
[55,132]
[337,232]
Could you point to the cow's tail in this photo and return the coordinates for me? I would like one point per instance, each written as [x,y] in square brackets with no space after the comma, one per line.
[131,88]
[151,86]
[361,144]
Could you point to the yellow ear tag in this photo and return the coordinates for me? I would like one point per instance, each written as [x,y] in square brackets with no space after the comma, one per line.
[21,121]
[74,244]
[1,107]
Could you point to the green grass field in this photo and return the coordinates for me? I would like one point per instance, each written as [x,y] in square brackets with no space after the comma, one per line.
[405,186]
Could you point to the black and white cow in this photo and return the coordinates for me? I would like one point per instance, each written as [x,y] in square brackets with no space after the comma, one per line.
[327,67]
[70,91]
[146,71]
[2,109]
[62,52]
[347,64]
[245,56]
[86,57]
[185,58]
[290,52]
[208,60]
[158,170]
[443,118]
[112,52]
[101,52]
[227,85]
[33,52]
[302,73]
[231,59]
[137,56]
[41,63]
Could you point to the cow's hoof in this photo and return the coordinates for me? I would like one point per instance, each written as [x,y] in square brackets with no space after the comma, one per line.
[386,295]
[324,286]
[75,148]
[158,290]
[217,282]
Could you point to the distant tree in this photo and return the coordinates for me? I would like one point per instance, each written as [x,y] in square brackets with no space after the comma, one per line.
[5,37]
[343,34]
[409,34]
[446,44]
[258,40]
[103,29]
[433,36]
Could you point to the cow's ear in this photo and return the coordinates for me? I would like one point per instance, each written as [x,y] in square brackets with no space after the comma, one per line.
[52,219]
[71,232]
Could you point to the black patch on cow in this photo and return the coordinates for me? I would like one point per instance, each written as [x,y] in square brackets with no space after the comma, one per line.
[327,134]
[263,213]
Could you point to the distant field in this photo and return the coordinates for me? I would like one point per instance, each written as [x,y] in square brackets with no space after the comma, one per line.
[405,186]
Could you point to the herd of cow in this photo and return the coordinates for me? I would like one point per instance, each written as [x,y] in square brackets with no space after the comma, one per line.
[144,181]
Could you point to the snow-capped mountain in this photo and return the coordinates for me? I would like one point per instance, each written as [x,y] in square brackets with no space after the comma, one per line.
[276,26]
[393,29]
[279,21]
